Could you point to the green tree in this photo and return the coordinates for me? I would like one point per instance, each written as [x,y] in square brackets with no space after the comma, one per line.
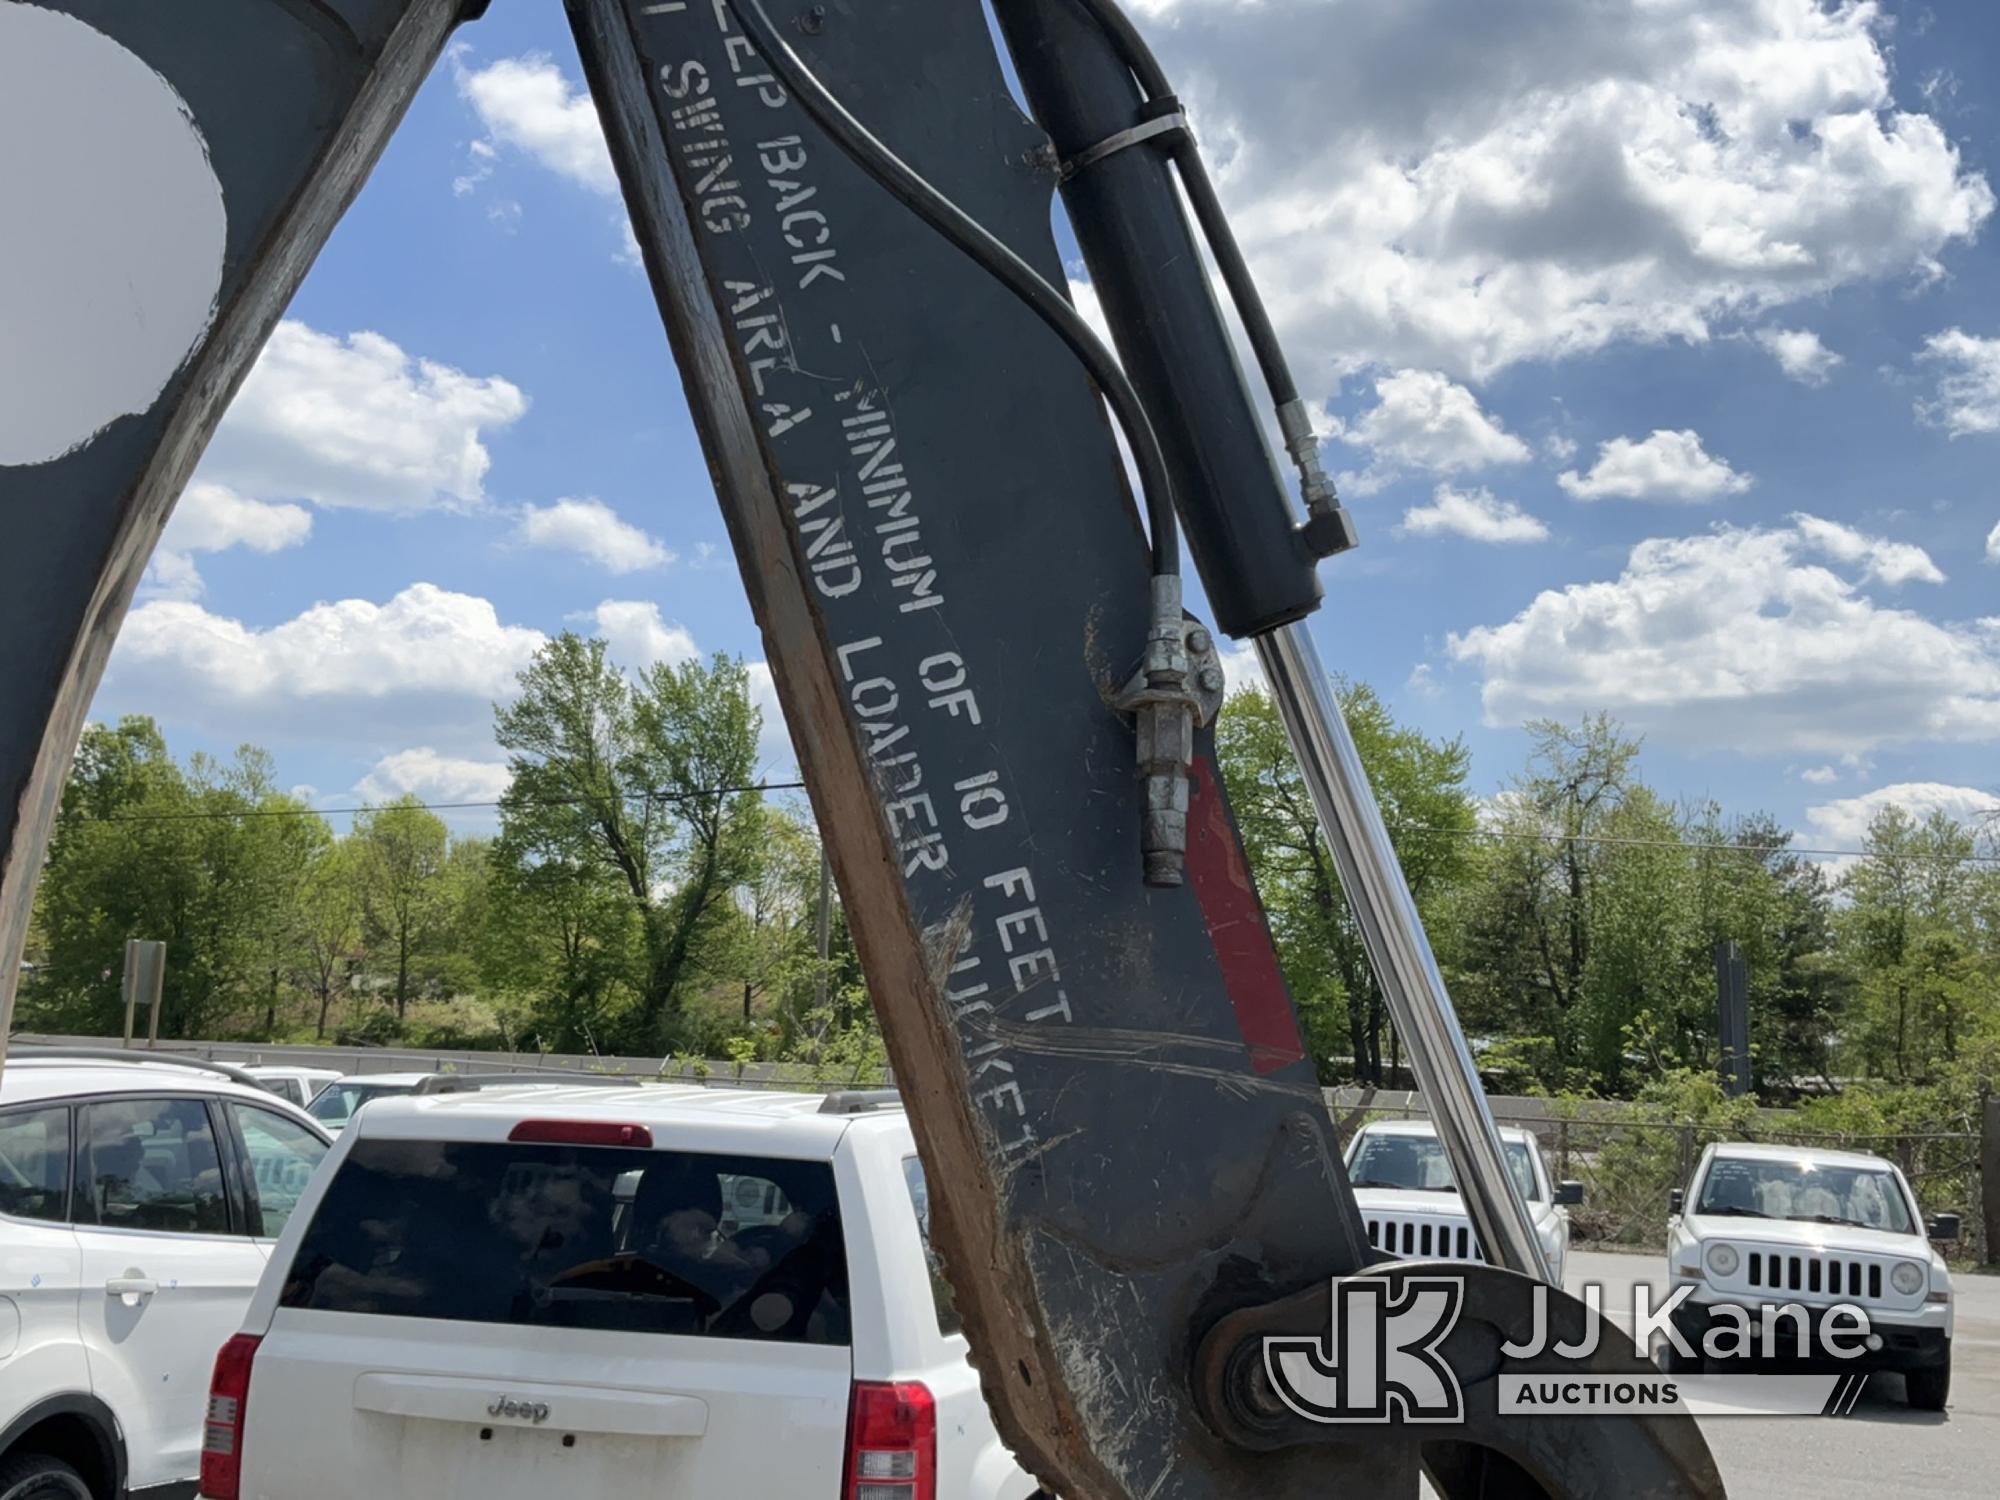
[401,851]
[330,926]
[1532,927]
[208,859]
[1912,937]
[638,782]
[1421,785]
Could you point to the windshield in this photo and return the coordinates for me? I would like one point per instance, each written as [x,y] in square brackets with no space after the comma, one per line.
[337,1105]
[1808,1192]
[1418,1163]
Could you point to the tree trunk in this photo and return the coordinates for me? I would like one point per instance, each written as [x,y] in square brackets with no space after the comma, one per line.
[325,1002]
[402,973]
[671,955]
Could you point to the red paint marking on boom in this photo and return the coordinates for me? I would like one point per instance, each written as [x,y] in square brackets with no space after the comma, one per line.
[1237,928]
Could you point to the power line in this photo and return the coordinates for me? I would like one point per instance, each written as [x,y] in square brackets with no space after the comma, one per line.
[216,814]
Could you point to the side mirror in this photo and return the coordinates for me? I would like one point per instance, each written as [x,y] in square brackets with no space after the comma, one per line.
[1945,1228]
[1568,1194]
[1676,1200]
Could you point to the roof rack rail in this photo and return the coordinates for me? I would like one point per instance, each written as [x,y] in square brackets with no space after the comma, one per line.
[859,1101]
[28,1050]
[467,1083]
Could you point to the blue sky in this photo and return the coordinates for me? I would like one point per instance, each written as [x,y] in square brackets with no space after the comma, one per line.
[1658,346]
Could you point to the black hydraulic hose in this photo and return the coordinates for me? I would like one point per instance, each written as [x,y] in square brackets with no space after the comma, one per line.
[916,194]
[1138,57]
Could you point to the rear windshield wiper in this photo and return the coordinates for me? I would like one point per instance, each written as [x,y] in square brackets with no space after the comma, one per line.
[1377,1182]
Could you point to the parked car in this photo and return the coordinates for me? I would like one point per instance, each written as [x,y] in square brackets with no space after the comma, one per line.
[139,1198]
[337,1103]
[1402,1184]
[298,1085]
[1785,1224]
[607,1291]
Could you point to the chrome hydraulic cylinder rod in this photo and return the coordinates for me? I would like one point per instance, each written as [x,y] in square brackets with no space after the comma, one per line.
[1397,947]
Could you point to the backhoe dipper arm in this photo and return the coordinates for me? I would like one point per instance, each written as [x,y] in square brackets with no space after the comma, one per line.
[1003,715]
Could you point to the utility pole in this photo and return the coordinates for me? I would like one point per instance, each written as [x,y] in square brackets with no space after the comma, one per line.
[1732,1003]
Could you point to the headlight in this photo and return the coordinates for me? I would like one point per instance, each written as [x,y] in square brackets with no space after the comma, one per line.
[1721,1260]
[1908,1278]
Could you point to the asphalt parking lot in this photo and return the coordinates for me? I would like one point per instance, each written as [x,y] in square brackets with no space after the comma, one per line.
[1884,1449]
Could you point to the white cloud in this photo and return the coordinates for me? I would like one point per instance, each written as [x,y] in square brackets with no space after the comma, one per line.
[1090,307]
[1820,776]
[1884,561]
[1423,681]
[1666,466]
[428,661]
[1240,668]
[1993,543]
[1968,392]
[775,760]
[1844,824]
[1560,447]
[433,777]
[526,103]
[213,518]
[1423,420]
[1799,354]
[1464,187]
[358,422]
[638,638]
[592,529]
[1739,639]
[1476,514]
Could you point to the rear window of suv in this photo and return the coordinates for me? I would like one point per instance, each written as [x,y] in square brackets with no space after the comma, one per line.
[632,1241]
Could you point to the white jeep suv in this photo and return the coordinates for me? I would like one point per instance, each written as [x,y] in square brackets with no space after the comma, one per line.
[1402,1184]
[571,1290]
[1764,1226]
[139,1199]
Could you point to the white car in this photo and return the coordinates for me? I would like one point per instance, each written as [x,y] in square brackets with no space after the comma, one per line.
[298,1086]
[336,1104]
[1773,1225]
[599,1291]
[139,1198]
[1403,1185]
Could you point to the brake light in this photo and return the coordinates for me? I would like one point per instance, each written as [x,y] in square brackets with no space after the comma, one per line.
[222,1433]
[891,1442]
[580,1133]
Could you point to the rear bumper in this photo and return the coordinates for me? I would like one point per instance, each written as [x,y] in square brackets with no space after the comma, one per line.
[1905,1345]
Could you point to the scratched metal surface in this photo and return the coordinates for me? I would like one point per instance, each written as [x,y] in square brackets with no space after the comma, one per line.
[1145,1116]
[292,99]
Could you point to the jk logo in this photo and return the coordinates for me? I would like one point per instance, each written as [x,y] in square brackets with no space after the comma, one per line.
[1379,1360]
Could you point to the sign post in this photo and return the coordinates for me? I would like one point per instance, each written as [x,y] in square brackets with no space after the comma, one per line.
[145,978]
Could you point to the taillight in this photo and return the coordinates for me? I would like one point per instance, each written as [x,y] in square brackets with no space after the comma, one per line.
[580,1133]
[222,1433]
[891,1442]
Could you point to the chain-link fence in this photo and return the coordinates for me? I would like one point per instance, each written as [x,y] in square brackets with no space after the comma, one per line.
[1629,1167]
